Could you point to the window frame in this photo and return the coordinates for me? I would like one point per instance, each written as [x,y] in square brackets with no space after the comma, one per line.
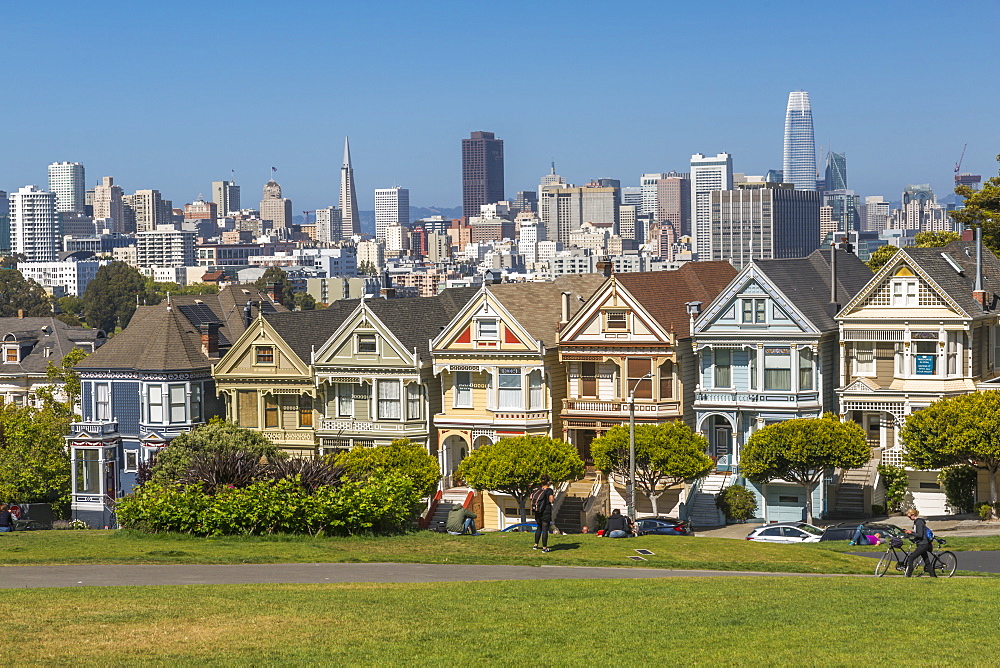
[722,374]
[755,308]
[461,390]
[306,411]
[644,389]
[414,400]
[480,336]
[127,465]
[361,339]
[98,413]
[272,412]
[806,354]
[388,401]
[509,394]
[197,407]
[904,298]
[345,400]
[172,406]
[624,321]
[261,353]
[157,391]
[768,385]
[856,365]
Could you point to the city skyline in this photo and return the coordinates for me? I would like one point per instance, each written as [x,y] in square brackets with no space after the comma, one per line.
[859,108]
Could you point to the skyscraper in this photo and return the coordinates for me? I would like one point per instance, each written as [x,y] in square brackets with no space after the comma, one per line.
[34,224]
[68,184]
[328,224]
[4,223]
[109,205]
[392,207]
[226,195]
[707,174]
[800,146]
[349,219]
[673,202]
[482,172]
[148,210]
[274,207]
[835,177]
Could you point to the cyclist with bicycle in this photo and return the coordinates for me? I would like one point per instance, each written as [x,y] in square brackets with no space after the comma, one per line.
[923,545]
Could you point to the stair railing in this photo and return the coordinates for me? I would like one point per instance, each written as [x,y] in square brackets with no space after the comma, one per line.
[560,495]
[425,519]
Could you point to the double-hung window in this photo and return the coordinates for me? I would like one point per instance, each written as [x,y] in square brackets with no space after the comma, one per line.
[637,369]
[154,403]
[588,379]
[102,401]
[864,359]
[305,410]
[388,399]
[367,344]
[805,368]
[536,391]
[723,359]
[196,412]
[271,411]
[178,403]
[463,389]
[510,394]
[777,369]
[413,401]
[754,311]
[88,471]
[487,329]
[345,400]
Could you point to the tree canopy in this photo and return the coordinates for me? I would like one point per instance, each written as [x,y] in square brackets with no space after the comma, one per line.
[665,454]
[110,298]
[881,256]
[34,464]
[217,436]
[401,456]
[279,277]
[935,239]
[982,209]
[802,450]
[66,377]
[18,293]
[957,430]
[515,465]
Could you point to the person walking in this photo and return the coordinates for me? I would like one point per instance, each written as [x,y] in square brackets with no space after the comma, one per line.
[541,505]
[924,545]
[6,519]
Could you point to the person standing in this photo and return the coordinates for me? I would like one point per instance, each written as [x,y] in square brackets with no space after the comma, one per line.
[924,545]
[541,504]
[6,519]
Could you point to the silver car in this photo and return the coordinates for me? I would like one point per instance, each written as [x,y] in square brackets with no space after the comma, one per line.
[786,532]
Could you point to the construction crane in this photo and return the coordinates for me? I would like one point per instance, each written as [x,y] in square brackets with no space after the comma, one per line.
[306,214]
[958,165]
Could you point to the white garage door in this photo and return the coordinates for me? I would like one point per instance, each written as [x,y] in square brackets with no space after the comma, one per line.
[785,504]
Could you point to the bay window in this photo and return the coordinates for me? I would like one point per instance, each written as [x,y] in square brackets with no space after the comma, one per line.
[345,400]
[777,369]
[102,401]
[536,391]
[88,471]
[463,389]
[413,396]
[637,368]
[925,358]
[154,402]
[388,398]
[178,403]
[510,393]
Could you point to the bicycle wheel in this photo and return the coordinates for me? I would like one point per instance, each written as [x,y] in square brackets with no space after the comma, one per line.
[883,564]
[945,564]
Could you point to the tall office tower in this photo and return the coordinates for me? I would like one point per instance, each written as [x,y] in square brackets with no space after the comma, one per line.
[274,207]
[328,225]
[874,214]
[349,219]
[438,247]
[632,196]
[835,177]
[147,209]
[763,221]
[4,223]
[563,209]
[827,225]
[392,207]
[68,184]
[526,200]
[226,195]
[845,205]
[647,182]
[707,174]
[626,222]
[109,205]
[482,172]
[34,224]
[599,204]
[800,146]
[551,179]
[673,202]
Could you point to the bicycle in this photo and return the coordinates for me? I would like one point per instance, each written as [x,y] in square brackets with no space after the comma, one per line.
[944,563]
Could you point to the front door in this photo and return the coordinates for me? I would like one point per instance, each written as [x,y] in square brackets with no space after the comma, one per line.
[722,446]
[584,437]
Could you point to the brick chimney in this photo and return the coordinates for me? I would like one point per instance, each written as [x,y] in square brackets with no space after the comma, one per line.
[605,266]
[209,338]
[274,292]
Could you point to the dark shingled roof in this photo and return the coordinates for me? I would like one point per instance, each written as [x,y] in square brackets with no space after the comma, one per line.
[227,306]
[960,286]
[806,282]
[664,294]
[158,338]
[43,340]
[538,306]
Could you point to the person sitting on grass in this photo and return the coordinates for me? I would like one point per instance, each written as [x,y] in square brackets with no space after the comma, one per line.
[461,521]
[618,525]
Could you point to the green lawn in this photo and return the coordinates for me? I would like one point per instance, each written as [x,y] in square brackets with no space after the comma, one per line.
[774,621]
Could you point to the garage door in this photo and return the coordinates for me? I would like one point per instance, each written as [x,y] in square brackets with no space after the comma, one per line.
[785,504]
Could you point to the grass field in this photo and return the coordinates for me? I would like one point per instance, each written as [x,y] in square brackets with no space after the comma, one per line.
[773,621]
[679,552]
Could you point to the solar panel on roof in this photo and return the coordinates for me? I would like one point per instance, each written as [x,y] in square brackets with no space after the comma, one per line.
[267,307]
[201,313]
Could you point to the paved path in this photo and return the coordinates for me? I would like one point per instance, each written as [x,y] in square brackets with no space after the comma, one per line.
[18,577]
[984,561]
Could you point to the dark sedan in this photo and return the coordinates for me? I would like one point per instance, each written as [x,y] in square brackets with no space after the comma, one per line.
[662,526]
[845,531]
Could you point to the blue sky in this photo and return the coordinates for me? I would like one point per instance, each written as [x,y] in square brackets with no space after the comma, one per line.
[172,95]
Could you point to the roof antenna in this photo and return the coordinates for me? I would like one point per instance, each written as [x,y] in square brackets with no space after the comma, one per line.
[169,307]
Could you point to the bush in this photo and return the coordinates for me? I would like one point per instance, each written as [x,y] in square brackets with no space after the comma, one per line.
[895,483]
[985,511]
[737,502]
[959,484]
[877,509]
[402,456]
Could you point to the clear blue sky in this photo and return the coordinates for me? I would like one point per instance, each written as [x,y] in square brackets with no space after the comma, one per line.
[172,95]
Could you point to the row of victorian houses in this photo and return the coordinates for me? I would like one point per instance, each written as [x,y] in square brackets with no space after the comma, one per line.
[727,352]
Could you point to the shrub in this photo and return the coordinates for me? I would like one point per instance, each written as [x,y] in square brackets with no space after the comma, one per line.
[877,509]
[985,511]
[737,502]
[402,456]
[173,461]
[895,483]
[959,484]
[216,470]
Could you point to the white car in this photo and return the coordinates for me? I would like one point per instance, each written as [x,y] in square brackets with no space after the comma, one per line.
[786,532]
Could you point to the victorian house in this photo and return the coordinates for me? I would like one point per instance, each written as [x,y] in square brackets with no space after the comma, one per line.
[924,328]
[767,347]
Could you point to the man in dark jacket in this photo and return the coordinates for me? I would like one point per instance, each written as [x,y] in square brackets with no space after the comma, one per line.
[617,526]
[923,545]
[460,521]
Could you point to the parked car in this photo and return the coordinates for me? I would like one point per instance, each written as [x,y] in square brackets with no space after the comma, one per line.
[662,526]
[523,526]
[786,532]
[845,531]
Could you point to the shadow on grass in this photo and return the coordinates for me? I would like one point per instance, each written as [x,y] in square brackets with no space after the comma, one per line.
[564,546]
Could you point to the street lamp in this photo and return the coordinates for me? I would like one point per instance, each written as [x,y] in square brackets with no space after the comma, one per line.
[631,446]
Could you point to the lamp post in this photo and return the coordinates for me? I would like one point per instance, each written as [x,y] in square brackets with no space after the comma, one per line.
[631,447]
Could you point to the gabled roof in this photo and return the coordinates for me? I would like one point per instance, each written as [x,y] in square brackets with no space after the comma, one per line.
[538,306]
[227,308]
[158,338]
[664,294]
[416,320]
[805,281]
[303,330]
[42,340]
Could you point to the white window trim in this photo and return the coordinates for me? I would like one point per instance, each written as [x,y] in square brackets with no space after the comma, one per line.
[357,343]
[125,461]
[455,394]
[479,331]
[855,370]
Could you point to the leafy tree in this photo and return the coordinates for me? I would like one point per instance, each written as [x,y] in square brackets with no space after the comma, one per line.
[66,376]
[895,482]
[982,209]
[665,454]
[110,298]
[305,301]
[936,239]
[957,430]
[20,294]
[34,463]
[802,450]
[881,256]
[70,304]
[217,436]
[279,277]
[737,503]
[959,483]
[367,268]
[514,465]
[401,456]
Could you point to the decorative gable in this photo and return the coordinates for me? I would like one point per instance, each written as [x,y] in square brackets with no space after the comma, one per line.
[612,314]
[752,304]
[261,351]
[903,288]
[484,325]
[362,338]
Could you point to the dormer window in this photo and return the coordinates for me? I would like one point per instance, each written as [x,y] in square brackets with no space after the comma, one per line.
[12,354]
[367,344]
[487,329]
[754,311]
[616,320]
[264,355]
[904,292]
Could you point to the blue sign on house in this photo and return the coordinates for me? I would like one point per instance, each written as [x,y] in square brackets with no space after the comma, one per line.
[925,365]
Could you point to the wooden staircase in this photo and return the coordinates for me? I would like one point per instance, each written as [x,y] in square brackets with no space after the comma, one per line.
[449,499]
[569,518]
[703,513]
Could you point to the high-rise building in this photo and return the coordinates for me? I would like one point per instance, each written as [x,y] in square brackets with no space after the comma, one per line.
[34,224]
[835,177]
[763,221]
[707,175]
[673,202]
[165,247]
[4,223]
[800,146]
[328,225]
[392,207]
[844,204]
[68,183]
[109,206]
[148,209]
[482,172]
[827,225]
[563,209]
[226,195]
[350,220]
[626,222]
[874,214]
[526,200]
[551,179]
[274,207]
[647,182]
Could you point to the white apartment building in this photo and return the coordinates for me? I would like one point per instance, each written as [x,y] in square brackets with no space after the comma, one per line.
[648,185]
[528,238]
[371,252]
[71,276]
[397,239]
[707,174]
[874,214]
[565,263]
[34,224]
[164,247]
[68,183]
[109,205]
[329,223]
[148,208]
[392,207]
[178,275]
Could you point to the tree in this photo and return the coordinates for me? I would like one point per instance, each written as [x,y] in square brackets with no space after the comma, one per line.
[881,256]
[401,456]
[982,209]
[957,430]
[367,268]
[34,463]
[217,436]
[279,277]
[66,376]
[665,454]
[515,465]
[20,294]
[110,298]
[802,450]
[935,239]
[305,301]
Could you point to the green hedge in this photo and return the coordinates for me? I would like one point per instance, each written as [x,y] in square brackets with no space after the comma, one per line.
[384,503]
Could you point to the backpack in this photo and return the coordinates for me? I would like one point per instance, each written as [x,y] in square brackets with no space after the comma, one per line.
[928,534]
